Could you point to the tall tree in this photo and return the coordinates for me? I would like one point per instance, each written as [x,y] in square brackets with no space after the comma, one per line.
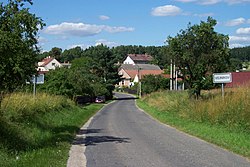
[198,52]
[104,66]
[18,50]
[56,53]
[71,54]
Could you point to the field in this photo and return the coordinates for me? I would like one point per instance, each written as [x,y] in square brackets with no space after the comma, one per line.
[224,122]
[38,131]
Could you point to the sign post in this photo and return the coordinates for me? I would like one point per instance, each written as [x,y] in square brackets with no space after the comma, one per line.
[36,79]
[222,78]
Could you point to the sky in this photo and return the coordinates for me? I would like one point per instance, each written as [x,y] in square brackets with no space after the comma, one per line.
[85,23]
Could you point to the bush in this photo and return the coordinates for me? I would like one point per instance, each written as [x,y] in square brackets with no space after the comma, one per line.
[152,83]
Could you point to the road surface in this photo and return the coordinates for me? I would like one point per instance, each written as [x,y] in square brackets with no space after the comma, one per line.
[121,135]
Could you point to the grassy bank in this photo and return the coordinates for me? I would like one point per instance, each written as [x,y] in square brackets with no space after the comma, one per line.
[224,122]
[38,131]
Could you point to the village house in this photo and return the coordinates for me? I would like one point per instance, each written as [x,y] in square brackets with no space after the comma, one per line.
[135,67]
[138,59]
[48,63]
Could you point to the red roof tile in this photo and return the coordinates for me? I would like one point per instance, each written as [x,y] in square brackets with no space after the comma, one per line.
[133,73]
[140,57]
[46,61]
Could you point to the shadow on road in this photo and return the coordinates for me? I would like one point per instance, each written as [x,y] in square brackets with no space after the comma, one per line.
[88,131]
[94,140]
[125,98]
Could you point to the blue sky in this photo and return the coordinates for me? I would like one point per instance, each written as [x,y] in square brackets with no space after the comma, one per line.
[85,23]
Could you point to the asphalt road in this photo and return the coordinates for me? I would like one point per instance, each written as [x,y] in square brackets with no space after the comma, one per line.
[121,135]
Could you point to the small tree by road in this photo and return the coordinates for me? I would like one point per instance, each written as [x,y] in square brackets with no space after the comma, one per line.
[198,52]
[18,40]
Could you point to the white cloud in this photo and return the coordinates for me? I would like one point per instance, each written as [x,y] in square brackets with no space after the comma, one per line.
[243,30]
[103,17]
[117,29]
[82,30]
[239,38]
[105,42]
[83,46]
[236,45]
[209,2]
[236,22]
[248,21]
[167,10]
[236,1]
[74,29]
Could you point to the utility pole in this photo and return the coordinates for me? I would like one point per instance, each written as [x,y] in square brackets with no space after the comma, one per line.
[171,75]
[174,77]
[139,81]
[176,80]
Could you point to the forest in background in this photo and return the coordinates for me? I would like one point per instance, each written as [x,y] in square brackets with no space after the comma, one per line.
[239,56]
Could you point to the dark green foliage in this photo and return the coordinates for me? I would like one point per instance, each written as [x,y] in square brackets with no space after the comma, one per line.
[56,53]
[242,54]
[94,74]
[18,30]
[104,66]
[198,52]
[70,54]
[153,83]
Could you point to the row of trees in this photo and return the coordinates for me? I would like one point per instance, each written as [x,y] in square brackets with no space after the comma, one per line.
[160,53]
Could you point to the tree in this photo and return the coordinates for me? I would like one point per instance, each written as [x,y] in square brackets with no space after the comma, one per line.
[18,50]
[71,54]
[152,83]
[56,53]
[198,52]
[104,66]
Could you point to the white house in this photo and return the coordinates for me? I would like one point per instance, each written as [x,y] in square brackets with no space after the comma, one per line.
[48,63]
[138,59]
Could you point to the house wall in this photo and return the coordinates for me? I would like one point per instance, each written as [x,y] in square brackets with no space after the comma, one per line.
[42,69]
[126,79]
[53,65]
[128,61]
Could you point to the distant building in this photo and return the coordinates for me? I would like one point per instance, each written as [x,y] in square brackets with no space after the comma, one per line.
[133,73]
[138,59]
[48,63]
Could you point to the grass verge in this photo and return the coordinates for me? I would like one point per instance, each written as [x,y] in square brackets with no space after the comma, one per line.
[177,110]
[34,136]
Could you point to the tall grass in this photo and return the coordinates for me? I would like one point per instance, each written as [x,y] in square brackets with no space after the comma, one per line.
[233,111]
[225,122]
[37,131]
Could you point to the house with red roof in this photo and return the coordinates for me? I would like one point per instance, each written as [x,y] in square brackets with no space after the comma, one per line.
[138,59]
[133,73]
[48,63]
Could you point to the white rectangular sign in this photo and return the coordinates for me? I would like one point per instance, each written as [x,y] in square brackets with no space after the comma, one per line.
[222,77]
[39,79]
